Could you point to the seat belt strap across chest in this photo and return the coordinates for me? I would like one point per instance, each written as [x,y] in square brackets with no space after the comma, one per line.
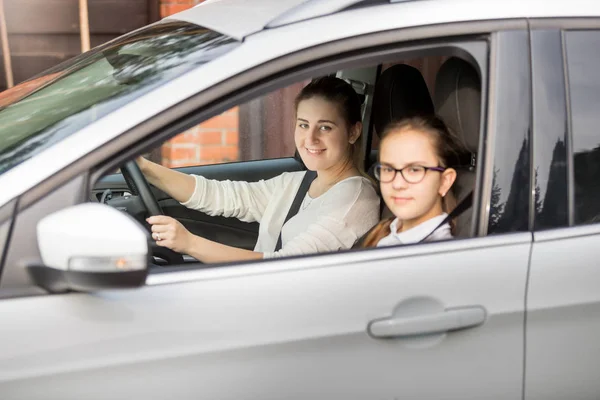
[309,177]
[463,206]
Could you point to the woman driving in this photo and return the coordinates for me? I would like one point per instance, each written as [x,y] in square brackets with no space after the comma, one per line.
[340,206]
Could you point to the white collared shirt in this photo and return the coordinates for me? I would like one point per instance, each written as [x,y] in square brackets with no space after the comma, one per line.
[418,233]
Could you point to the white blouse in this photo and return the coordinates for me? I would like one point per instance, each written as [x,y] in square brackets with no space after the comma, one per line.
[418,233]
[332,221]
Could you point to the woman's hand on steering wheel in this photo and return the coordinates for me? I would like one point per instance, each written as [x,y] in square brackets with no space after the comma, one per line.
[170,233]
[140,187]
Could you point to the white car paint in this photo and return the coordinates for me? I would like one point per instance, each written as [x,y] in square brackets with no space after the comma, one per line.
[65,237]
[267,45]
[296,328]
[218,16]
[258,336]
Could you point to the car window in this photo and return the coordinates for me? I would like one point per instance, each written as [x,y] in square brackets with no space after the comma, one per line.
[65,99]
[262,128]
[584,91]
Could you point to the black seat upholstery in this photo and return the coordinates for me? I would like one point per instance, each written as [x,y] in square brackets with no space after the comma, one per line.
[400,92]
[457,100]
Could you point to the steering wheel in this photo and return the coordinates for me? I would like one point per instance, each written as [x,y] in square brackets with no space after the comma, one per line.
[140,187]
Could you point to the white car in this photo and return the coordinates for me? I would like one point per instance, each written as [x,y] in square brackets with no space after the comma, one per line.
[510,309]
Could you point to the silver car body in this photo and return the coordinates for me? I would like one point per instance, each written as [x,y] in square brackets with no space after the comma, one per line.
[298,328]
[267,45]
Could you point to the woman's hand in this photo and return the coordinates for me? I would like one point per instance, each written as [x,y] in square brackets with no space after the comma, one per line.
[168,232]
[141,162]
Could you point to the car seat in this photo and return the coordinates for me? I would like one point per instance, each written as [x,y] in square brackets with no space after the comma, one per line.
[457,99]
[400,92]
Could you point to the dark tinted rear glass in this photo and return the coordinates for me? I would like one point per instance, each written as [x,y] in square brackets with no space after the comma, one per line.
[583,64]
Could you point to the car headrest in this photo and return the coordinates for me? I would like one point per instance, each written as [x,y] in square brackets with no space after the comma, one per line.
[457,100]
[400,92]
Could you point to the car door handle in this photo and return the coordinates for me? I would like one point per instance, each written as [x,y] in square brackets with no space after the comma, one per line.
[448,320]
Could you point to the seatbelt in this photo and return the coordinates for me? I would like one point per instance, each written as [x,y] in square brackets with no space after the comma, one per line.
[300,194]
[463,206]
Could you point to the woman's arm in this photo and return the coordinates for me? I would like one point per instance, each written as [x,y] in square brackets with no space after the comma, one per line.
[176,184]
[246,201]
[168,232]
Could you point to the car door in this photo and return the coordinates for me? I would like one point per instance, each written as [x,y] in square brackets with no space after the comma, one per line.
[436,320]
[563,300]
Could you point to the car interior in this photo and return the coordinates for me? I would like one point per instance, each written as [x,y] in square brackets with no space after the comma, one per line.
[448,86]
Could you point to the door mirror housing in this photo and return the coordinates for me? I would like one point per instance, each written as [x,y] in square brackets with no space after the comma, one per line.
[90,247]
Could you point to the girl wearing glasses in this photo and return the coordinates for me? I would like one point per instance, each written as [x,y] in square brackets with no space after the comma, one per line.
[416,180]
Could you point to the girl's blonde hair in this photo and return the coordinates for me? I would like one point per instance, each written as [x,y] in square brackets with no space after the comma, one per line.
[448,151]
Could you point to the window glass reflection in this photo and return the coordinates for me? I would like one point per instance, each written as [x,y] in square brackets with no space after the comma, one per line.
[85,89]
[583,65]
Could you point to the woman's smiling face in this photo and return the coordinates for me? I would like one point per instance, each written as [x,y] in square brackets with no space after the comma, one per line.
[321,135]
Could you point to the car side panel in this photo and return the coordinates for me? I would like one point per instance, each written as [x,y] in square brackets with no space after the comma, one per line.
[563,315]
[289,329]
[563,296]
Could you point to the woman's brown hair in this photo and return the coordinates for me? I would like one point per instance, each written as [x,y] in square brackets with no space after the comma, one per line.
[448,151]
[340,93]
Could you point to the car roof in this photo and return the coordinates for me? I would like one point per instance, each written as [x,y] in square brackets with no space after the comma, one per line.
[242,18]
[269,44]
[237,18]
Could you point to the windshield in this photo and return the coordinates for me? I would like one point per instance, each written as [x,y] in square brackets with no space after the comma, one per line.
[47,108]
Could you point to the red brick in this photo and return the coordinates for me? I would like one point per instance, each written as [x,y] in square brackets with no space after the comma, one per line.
[183,153]
[222,121]
[166,150]
[186,163]
[232,111]
[232,138]
[190,136]
[170,9]
[219,153]
[210,138]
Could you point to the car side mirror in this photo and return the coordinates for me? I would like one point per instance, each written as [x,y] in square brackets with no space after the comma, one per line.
[91,247]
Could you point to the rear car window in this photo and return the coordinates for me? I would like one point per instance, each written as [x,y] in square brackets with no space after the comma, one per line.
[47,108]
[583,68]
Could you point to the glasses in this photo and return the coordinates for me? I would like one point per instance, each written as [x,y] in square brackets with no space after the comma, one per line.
[411,173]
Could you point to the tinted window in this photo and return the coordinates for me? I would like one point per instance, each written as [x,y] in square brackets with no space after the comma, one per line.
[50,107]
[583,63]
[550,130]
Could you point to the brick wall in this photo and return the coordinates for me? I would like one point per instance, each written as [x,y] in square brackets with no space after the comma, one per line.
[212,142]
[170,7]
